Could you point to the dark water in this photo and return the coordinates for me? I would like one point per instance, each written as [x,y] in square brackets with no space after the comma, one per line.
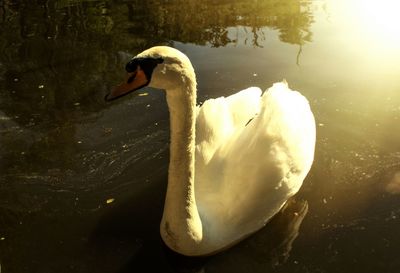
[82,182]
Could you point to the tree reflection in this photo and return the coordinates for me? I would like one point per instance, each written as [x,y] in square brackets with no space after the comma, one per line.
[206,22]
[68,46]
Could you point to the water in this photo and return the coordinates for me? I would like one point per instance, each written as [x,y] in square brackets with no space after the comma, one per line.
[82,181]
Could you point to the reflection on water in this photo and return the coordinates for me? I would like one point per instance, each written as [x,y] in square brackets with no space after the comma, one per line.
[64,152]
[266,250]
[269,248]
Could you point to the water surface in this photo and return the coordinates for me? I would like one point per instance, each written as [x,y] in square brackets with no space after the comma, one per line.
[82,181]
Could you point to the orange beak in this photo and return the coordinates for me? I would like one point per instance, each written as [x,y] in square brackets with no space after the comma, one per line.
[134,81]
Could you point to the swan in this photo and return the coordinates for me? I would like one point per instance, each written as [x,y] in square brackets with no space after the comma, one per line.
[234,161]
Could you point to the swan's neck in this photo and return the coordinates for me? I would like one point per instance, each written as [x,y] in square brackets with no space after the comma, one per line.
[181,226]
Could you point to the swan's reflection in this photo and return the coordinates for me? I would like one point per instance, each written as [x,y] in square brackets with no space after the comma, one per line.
[268,248]
[139,248]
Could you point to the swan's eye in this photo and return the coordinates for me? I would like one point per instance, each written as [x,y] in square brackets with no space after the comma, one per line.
[132,65]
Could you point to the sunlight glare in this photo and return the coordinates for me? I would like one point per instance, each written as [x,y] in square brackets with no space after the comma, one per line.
[380,19]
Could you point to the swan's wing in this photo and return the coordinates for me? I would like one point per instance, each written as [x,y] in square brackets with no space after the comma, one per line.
[259,167]
[218,119]
[267,162]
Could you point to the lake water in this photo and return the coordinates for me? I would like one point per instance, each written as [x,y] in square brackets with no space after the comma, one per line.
[82,182]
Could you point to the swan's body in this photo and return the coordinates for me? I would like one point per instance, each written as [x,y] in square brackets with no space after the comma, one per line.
[233,162]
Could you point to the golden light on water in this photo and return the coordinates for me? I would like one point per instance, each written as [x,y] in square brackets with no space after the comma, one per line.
[369,33]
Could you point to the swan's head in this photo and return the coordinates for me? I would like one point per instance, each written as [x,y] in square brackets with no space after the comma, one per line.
[160,67]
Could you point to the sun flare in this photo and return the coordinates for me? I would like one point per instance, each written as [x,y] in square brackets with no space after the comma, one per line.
[380,19]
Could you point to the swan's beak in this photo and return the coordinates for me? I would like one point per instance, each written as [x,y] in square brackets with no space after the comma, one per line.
[134,81]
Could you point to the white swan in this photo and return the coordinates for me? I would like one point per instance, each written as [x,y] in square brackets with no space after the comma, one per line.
[233,161]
